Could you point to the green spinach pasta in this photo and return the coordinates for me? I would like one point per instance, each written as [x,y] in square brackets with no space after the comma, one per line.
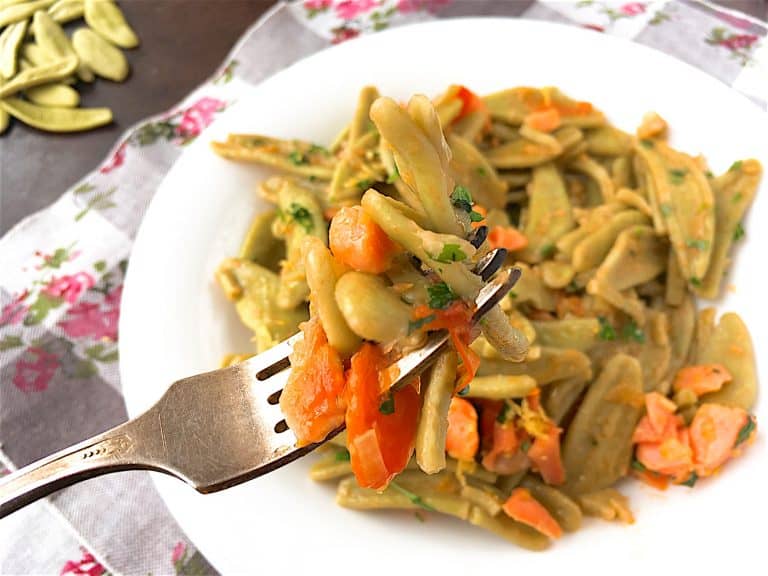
[598,365]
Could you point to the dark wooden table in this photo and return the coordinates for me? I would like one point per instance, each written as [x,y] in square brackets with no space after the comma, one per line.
[182,43]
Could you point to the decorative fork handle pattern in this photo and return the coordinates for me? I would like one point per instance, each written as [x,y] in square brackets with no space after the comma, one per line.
[117,449]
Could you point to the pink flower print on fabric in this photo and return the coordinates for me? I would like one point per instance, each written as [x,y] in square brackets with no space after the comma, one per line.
[198,117]
[34,375]
[178,552]
[409,6]
[91,320]
[315,5]
[69,287]
[739,41]
[351,9]
[86,566]
[14,312]
[632,8]
[117,160]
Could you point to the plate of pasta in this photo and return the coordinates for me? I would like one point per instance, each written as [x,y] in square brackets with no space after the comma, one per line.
[612,397]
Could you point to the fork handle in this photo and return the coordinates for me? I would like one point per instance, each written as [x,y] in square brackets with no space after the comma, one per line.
[111,451]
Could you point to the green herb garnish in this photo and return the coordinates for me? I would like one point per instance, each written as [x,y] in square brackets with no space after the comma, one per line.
[526,445]
[481,171]
[607,332]
[387,405]
[412,497]
[440,296]
[301,216]
[746,431]
[475,216]
[461,198]
[342,455]
[632,331]
[363,185]
[697,243]
[709,174]
[513,295]
[646,143]
[419,516]
[317,149]
[501,417]
[737,198]
[414,325]
[694,281]
[637,465]
[666,209]
[691,480]
[392,178]
[451,253]
[677,176]
[547,251]
[735,166]
[572,287]
[738,232]
[464,391]
[297,158]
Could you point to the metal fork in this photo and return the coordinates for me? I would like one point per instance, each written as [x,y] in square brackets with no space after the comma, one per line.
[220,428]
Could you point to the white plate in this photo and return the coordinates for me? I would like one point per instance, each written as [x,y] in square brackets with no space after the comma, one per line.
[175,322]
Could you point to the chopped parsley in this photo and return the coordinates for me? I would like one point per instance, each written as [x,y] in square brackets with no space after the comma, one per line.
[676,175]
[695,281]
[387,405]
[513,295]
[501,417]
[481,171]
[697,243]
[547,251]
[392,178]
[464,391]
[526,445]
[746,431]
[646,143]
[462,199]
[297,158]
[363,185]
[666,209]
[475,216]
[414,325]
[691,482]
[412,497]
[451,253]
[606,332]
[342,455]
[709,174]
[735,166]
[440,296]
[301,216]
[737,198]
[632,331]
[738,232]
[316,148]
[637,465]
[572,287]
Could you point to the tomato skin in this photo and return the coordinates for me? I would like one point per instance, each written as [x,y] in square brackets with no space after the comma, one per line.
[523,507]
[462,439]
[380,445]
[470,102]
[358,242]
[702,379]
[507,237]
[713,434]
[544,453]
[313,398]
